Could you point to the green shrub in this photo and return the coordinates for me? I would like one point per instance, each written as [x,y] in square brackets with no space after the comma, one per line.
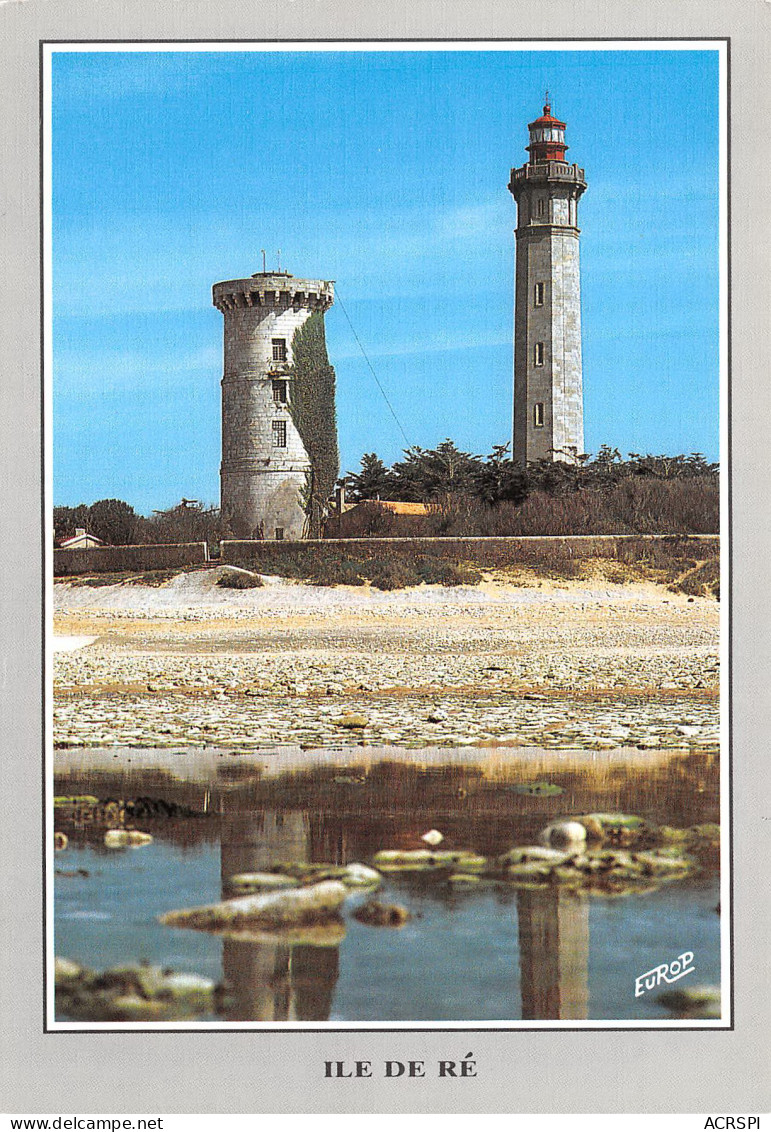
[393,576]
[343,573]
[234,579]
[312,408]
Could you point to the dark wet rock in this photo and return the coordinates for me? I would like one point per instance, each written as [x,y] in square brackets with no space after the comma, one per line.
[692,1002]
[61,841]
[126,839]
[428,860]
[72,873]
[310,904]
[131,994]
[380,915]
[606,870]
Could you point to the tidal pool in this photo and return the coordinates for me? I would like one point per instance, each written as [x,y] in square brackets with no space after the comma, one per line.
[487,953]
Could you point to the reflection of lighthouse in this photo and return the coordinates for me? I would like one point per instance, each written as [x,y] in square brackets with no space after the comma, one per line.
[553,953]
[267,981]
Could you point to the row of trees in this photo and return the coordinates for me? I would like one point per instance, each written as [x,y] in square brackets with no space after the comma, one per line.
[469,495]
[430,475]
[118,524]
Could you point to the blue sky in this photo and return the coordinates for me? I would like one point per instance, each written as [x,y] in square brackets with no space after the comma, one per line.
[387,172]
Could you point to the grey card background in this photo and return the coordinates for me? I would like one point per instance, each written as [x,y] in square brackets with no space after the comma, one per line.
[253,1072]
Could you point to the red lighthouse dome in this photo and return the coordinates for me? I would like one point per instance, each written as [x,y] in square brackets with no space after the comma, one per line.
[547,137]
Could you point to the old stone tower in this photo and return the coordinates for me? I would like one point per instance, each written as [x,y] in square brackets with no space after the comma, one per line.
[264,462]
[548,382]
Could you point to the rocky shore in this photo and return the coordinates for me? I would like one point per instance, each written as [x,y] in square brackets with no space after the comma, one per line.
[559,665]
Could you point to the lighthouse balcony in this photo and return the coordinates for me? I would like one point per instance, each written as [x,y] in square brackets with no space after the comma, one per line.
[547,171]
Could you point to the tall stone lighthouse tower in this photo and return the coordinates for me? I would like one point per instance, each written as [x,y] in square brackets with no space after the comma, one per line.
[264,462]
[548,382]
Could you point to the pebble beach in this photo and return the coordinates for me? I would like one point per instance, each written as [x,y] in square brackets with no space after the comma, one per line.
[577,664]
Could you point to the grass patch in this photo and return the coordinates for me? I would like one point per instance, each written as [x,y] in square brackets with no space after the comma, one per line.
[126,578]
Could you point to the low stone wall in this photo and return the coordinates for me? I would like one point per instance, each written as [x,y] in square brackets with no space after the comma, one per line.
[114,559]
[258,555]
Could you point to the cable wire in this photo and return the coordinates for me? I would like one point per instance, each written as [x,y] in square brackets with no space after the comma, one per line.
[369,363]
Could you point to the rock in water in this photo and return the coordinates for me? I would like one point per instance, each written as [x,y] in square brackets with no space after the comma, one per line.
[380,915]
[60,841]
[313,904]
[433,837]
[261,882]
[563,835]
[126,839]
[692,1002]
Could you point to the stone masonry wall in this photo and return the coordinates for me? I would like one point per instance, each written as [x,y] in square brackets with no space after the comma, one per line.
[480,551]
[109,559]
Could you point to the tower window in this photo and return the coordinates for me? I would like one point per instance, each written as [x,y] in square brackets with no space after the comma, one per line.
[538,414]
[279,349]
[279,434]
[279,535]
[280,395]
[540,209]
[540,292]
[538,354]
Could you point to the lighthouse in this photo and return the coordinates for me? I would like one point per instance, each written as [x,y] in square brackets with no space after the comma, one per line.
[548,379]
[265,465]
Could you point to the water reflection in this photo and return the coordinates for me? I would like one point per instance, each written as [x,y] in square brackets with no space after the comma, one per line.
[260,814]
[553,953]
[272,981]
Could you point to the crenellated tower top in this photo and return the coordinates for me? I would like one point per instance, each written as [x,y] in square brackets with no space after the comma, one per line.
[275,289]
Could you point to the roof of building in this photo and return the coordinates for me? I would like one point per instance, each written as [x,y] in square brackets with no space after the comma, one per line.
[396,507]
[80,538]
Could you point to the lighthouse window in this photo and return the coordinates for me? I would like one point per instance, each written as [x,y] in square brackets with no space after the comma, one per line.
[280,392]
[279,434]
[279,349]
[537,354]
[541,207]
[538,414]
[540,290]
